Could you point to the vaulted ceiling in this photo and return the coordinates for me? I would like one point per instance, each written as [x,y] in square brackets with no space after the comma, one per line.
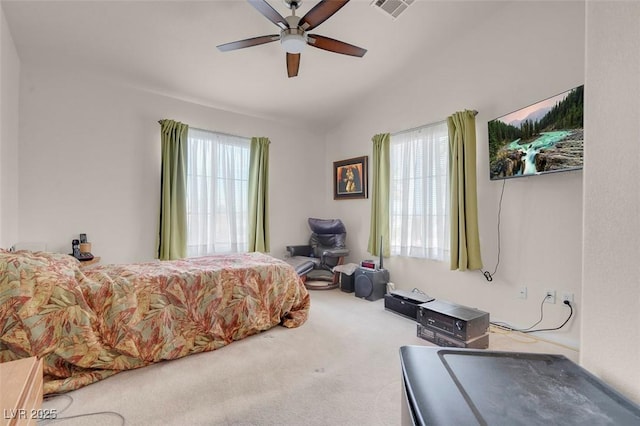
[169,47]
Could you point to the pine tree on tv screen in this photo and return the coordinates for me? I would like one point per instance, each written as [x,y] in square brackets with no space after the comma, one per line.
[545,137]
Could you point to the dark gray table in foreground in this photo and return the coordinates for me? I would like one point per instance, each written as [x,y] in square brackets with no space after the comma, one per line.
[447,386]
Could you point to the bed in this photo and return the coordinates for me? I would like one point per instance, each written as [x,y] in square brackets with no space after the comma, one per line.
[90,323]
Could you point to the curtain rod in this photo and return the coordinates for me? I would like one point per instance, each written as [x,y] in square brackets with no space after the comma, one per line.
[219,133]
[425,125]
[213,131]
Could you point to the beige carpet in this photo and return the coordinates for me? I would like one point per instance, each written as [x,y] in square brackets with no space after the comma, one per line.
[341,367]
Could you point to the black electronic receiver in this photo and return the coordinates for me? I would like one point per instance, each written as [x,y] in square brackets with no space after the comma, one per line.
[453,320]
[405,303]
[434,335]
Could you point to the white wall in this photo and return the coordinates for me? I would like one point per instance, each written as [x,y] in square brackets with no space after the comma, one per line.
[73,125]
[525,52]
[90,162]
[9,93]
[611,293]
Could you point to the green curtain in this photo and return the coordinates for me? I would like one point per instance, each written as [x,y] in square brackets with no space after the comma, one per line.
[381,166]
[172,235]
[259,195]
[465,239]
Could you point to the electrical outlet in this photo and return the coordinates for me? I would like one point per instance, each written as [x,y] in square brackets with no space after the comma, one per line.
[567,297]
[522,293]
[551,296]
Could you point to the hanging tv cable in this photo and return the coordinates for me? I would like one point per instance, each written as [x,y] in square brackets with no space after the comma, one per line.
[489,275]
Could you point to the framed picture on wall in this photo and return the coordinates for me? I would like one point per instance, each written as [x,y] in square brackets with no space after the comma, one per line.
[350,178]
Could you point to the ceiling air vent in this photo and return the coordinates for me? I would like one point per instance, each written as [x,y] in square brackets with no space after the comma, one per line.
[392,7]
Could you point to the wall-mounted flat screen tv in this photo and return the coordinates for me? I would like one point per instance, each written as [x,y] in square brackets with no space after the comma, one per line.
[545,137]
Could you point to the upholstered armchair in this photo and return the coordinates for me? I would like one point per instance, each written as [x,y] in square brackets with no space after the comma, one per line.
[325,251]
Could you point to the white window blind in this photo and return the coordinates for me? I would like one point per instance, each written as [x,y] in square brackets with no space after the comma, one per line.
[419,192]
[217,193]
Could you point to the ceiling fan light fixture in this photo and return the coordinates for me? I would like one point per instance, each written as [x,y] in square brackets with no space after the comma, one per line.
[293,40]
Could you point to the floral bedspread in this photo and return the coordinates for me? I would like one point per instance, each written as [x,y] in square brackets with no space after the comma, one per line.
[88,324]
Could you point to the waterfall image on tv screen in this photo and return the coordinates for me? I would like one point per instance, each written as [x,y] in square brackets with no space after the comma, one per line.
[542,138]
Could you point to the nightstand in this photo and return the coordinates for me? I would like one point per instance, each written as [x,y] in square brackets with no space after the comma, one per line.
[22,387]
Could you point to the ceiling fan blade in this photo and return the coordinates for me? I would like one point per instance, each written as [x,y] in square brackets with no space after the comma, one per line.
[320,13]
[254,41]
[293,64]
[337,46]
[270,13]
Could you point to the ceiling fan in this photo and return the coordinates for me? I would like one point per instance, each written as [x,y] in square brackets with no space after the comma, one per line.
[293,35]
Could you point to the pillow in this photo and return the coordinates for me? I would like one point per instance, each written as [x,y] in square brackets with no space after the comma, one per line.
[39,294]
[28,279]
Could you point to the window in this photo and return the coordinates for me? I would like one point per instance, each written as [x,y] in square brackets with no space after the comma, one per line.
[419,192]
[217,193]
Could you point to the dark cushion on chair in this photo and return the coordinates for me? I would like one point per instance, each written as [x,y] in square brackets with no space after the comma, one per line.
[327,234]
[326,226]
[327,241]
[302,265]
[325,250]
[300,250]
